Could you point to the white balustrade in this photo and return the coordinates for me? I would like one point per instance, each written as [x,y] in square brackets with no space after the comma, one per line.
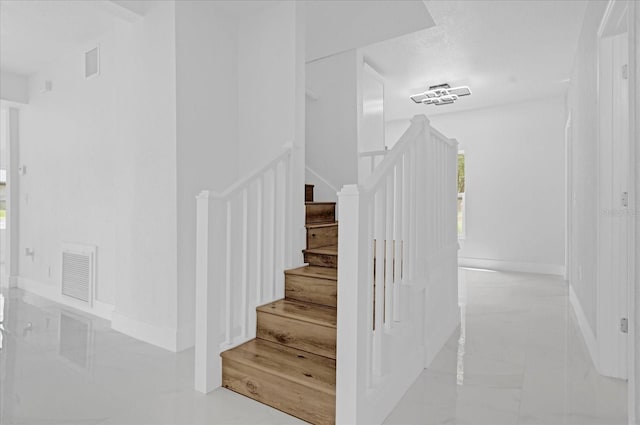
[243,247]
[369,160]
[397,237]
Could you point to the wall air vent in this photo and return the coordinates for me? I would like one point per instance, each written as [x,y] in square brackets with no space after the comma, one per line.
[78,272]
[92,62]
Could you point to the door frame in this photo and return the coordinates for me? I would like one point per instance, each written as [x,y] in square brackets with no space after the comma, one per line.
[614,280]
[12,194]
[633,16]
[568,207]
[614,11]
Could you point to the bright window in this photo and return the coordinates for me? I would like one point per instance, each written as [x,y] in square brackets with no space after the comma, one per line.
[461,200]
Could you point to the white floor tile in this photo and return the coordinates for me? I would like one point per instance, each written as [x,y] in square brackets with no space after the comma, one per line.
[524,362]
[521,361]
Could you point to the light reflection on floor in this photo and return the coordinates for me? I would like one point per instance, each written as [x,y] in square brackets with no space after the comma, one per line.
[61,366]
[518,358]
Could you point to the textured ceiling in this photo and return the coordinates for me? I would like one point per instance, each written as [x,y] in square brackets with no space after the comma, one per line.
[506,51]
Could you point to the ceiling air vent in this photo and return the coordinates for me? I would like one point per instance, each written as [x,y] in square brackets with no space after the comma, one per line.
[92,62]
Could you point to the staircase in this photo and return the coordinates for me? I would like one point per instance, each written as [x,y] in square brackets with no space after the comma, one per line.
[291,364]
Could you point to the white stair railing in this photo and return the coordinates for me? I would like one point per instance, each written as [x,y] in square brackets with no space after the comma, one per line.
[397,234]
[243,247]
[369,161]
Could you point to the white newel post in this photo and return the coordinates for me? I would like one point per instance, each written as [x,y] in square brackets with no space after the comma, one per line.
[421,192]
[351,330]
[454,202]
[208,368]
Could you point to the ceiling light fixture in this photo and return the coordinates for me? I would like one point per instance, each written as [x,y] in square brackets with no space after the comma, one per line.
[441,94]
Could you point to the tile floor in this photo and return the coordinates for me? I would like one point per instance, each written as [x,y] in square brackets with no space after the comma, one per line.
[518,359]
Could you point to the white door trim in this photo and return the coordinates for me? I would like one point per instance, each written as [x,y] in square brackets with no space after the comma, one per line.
[614,178]
[13,196]
[633,16]
[568,207]
[613,13]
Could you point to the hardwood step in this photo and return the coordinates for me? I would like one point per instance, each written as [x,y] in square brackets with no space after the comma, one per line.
[312,284]
[325,234]
[320,212]
[326,256]
[308,193]
[305,326]
[293,381]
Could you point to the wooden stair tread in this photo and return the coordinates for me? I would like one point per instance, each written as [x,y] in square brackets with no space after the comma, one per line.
[305,312]
[308,193]
[325,250]
[320,225]
[312,284]
[295,365]
[329,273]
[291,365]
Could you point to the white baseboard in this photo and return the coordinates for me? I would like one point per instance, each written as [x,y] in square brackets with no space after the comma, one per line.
[186,337]
[167,338]
[9,282]
[440,338]
[160,336]
[585,328]
[52,292]
[511,266]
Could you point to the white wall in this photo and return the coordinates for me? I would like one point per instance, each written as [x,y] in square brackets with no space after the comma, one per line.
[371,134]
[207,128]
[271,87]
[393,130]
[69,146]
[146,236]
[514,183]
[116,161]
[163,125]
[267,89]
[101,170]
[14,87]
[236,108]
[332,119]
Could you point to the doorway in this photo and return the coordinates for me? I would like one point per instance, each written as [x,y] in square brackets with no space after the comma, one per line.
[4,136]
[9,196]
